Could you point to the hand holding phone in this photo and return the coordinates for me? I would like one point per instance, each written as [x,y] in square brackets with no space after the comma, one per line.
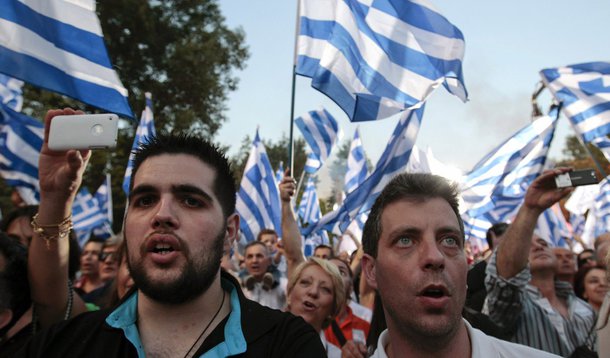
[576,178]
[83,131]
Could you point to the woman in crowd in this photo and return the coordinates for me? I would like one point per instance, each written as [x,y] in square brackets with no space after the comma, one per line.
[591,285]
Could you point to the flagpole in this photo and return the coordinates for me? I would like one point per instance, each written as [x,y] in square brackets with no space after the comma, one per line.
[294,77]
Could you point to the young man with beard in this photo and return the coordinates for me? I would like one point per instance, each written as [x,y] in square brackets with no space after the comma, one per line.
[414,257]
[179,218]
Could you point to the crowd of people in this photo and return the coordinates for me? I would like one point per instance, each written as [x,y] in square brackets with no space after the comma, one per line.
[176,283]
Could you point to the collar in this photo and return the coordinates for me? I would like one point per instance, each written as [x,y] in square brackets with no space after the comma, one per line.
[562,289]
[125,317]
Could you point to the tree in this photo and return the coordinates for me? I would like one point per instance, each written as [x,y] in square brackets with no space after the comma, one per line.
[578,157]
[181,51]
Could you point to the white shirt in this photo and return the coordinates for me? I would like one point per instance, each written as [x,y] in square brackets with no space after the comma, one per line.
[274,298]
[481,345]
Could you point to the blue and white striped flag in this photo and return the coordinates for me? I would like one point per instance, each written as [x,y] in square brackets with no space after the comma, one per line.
[258,199]
[392,161]
[20,142]
[553,227]
[499,181]
[309,207]
[584,91]
[146,128]
[578,224]
[356,165]
[11,93]
[103,195]
[86,216]
[321,131]
[378,58]
[602,207]
[279,173]
[58,45]
[603,144]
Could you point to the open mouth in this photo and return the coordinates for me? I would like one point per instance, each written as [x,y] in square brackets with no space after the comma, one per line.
[433,292]
[162,248]
[309,305]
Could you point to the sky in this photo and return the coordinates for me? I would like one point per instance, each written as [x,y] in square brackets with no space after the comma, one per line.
[507,44]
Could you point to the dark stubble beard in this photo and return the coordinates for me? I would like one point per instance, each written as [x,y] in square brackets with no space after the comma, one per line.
[195,278]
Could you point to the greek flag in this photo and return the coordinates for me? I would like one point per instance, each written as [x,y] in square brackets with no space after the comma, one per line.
[392,161]
[356,165]
[603,144]
[309,207]
[584,90]
[602,208]
[320,131]
[258,199]
[86,216]
[552,227]
[279,173]
[145,129]
[11,93]
[103,195]
[578,224]
[20,142]
[58,45]
[499,181]
[378,58]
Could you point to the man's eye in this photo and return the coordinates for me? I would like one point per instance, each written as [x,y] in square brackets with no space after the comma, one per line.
[192,202]
[451,241]
[404,241]
[144,201]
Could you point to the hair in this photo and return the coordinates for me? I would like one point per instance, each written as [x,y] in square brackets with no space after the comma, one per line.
[189,144]
[265,232]
[349,269]
[497,229]
[15,279]
[579,279]
[254,243]
[335,276]
[601,239]
[324,246]
[23,211]
[413,187]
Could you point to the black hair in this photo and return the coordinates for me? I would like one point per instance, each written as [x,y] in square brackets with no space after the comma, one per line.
[14,279]
[208,153]
[497,229]
[411,186]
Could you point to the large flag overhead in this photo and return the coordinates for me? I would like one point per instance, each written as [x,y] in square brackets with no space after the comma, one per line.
[321,131]
[499,181]
[20,142]
[378,58]
[146,128]
[258,199]
[58,45]
[392,161]
[356,165]
[584,91]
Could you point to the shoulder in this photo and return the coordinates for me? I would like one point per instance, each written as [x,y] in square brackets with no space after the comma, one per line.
[284,334]
[83,335]
[484,346]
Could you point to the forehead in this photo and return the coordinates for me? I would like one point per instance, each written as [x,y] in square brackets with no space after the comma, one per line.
[316,272]
[563,251]
[268,237]
[175,169]
[432,213]
[92,245]
[255,249]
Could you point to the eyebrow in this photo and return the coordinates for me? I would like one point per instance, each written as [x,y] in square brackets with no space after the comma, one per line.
[176,189]
[442,230]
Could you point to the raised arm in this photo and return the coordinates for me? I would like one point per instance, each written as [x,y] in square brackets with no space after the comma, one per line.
[291,236]
[60,175]
[514,249]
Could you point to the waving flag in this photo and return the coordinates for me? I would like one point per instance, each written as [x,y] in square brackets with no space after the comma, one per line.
[356,165]
[378,58]
[309,207]
[58,45]
[584,91]
[279,173]
[146,128]
[602,208]
[258,199]
[20,143]
[553,227]
[499,181]
[103,195]
[392,161]
[11,92]
[320,131]
[86,216]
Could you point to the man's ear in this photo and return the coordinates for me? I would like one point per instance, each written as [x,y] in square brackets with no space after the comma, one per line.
[231,231]
[6,315]
[368,269]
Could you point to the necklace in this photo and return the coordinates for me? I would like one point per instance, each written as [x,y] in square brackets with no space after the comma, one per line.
[208,325]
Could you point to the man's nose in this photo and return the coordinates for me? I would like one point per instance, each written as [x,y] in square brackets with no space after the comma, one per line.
[165,215]
[432,258]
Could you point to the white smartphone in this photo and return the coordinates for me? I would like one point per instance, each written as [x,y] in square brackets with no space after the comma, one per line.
[84,131]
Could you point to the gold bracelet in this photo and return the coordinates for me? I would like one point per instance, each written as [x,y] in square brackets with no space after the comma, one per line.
[63,230]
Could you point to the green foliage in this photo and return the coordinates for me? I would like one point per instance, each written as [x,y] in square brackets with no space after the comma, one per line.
[578,157]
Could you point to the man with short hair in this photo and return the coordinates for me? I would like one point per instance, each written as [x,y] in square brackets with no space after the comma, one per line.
[522,292]
[323,252]
[180,215]
[566,264]
[90,285]
[259,284]
[413,242]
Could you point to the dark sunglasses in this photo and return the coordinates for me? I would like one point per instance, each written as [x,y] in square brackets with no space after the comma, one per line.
[106,255]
